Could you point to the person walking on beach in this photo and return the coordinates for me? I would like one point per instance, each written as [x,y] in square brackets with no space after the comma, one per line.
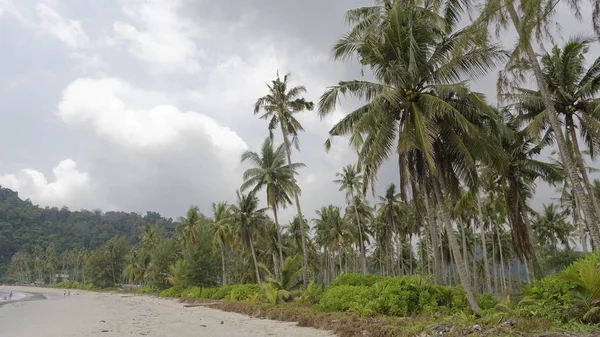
[10,296]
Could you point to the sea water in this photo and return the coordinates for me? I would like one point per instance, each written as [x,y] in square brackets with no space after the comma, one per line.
[17,296]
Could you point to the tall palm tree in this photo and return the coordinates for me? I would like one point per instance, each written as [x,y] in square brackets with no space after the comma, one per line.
[222,222]
[189,225]
[574,91]
[533,21]
[420,105]
[247,217]
[551,227]
[360,214]
[271,172]
[350,180]
[279,107]
[390,209]
[332,231]
[516,177]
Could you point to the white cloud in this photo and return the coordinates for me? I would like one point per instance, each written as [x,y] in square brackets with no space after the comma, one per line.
[136,118]
[70,32]
[68,187]
[162,39]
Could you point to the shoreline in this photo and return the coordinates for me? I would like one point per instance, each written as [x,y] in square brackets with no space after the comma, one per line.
[27,296]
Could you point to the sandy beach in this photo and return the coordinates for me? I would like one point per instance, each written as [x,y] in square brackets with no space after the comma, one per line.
[85,314]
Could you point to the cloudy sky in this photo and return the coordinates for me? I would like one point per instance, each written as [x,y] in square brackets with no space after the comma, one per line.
[147,104]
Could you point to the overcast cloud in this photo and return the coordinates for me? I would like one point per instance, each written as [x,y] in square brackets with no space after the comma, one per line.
[142,105]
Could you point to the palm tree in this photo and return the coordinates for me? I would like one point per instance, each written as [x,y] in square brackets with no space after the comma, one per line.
[296,229]
[332,232]
[574,91]
[271,172]
[279,107]
[223,221]
[533,20]
[362,214]
[247,217]
[390,209]
[551,227]
[350,180]
[189,225]
[420,105]
[515,176]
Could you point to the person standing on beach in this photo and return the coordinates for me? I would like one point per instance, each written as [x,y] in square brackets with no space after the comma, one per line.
[10,296]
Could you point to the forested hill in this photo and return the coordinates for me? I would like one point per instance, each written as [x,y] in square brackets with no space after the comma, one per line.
[24,225]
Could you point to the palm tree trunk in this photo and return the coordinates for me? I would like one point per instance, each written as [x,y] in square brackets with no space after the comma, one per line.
[363,258]
[503,279]
[255,263]
[586,205]
[288,151]
[276,265]
[224,279]
[486,265]
[582,170]
[464,246]
[462,273]
[279,244]
[494,262]
[433,234]
[473,254]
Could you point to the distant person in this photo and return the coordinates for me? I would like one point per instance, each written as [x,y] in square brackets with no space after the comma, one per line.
[10,296]
[68,292]
[65,294]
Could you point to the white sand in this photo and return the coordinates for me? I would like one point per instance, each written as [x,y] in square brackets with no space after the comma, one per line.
[85,314]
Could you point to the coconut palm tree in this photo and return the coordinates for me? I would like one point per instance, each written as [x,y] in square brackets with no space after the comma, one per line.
[222,222]
[247,216]
[391,209]
[279,107]
[271,172]
[332,232]
[575,92]
[350,180]
[551,227]
[189,225]
[534,21]
[419,106]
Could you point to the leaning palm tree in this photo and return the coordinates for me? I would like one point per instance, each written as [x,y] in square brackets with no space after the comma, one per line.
[533,21]
[271,172]
[279,107]
[420,106]
[247,216]
[223,221]
[575,91]
[350,180]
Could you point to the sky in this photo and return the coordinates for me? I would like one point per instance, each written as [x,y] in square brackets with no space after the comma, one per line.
[141,105]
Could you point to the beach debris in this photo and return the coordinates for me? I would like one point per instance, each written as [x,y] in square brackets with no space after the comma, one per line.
[202,325]
[477,327]
[221,322]
[102,321]
[104,330]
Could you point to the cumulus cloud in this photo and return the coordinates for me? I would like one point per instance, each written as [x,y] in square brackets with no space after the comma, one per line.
[70,186]
[114,109]
[70,32]
[158,36]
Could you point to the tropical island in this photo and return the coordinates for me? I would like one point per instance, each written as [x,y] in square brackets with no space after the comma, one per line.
[453,247]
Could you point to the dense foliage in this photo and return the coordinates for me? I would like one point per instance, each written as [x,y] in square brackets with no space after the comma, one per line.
[29,228]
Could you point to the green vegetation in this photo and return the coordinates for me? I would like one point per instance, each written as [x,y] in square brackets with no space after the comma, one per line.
[455,240]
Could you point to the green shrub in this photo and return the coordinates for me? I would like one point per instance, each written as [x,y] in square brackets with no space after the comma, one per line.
[208,293]
[221,292]
[243,292]
[193,292]
[148,290]
[345,297]
[171,292]
[356,280]
[487,301]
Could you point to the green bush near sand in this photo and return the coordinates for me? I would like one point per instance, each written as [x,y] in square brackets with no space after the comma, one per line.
[229,292]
